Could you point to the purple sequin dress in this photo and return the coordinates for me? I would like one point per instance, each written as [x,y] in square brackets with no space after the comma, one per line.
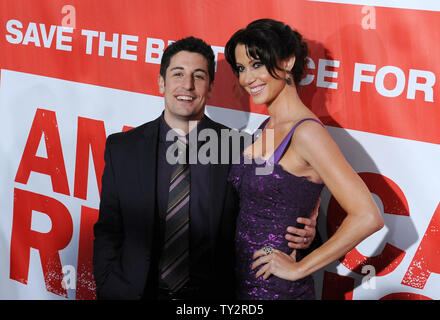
[268,205]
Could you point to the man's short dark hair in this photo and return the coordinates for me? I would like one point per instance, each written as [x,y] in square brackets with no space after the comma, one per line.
[190,44]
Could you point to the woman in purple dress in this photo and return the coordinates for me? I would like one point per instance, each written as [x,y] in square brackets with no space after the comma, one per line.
[269,58]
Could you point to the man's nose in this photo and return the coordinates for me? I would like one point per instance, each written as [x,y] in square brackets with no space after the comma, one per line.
[188,83]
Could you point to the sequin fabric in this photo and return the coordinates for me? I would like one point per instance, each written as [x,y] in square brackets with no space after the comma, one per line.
[268,205]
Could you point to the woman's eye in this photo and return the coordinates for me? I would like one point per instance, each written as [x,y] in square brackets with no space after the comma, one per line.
[257,64]
[240,68]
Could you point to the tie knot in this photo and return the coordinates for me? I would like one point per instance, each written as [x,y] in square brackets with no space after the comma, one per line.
[182,149]
[182,143]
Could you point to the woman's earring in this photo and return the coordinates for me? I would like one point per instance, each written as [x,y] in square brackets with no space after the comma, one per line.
[288,79]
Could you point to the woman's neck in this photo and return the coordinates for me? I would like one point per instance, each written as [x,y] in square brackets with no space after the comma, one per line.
[287,105]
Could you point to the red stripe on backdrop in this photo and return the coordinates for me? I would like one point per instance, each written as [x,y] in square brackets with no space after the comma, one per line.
[391,100]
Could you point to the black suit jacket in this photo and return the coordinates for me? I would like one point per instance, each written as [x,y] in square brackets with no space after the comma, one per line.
[123,244]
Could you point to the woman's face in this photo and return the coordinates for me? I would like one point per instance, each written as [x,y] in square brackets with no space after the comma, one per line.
[255,79]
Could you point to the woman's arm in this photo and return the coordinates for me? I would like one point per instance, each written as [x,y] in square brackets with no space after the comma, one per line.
[315,146]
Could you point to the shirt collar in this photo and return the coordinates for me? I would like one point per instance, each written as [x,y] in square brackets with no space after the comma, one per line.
[164,128]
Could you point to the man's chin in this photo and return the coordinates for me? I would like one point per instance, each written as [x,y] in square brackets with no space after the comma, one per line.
[191,115]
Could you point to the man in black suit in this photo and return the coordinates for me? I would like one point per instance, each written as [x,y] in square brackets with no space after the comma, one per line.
[131,235]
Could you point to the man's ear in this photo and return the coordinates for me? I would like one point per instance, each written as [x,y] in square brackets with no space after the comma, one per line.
[161,82]
[209,91]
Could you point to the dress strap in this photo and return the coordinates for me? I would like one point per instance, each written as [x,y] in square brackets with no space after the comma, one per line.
[279,152]
[257,132]
[263,124]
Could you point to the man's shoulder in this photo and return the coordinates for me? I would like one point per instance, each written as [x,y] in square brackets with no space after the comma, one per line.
[134,134]
[215,125]
[233,138]
[221,127]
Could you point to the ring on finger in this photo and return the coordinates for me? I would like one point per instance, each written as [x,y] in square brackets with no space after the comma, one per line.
[305,240]
[267,250]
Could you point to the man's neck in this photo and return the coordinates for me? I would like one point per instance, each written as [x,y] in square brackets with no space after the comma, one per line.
[181,125]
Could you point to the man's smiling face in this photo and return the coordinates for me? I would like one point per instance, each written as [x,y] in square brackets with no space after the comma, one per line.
[186,87]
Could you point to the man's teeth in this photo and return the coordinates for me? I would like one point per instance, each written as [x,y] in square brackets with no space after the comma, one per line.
[186,98]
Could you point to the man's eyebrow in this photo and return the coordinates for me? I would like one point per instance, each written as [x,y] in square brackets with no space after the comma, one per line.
[196,70]
[176,68]
[202,70]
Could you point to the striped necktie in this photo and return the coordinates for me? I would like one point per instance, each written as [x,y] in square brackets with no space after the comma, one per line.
[174,264]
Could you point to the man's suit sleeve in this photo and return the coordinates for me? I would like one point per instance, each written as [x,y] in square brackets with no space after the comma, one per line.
[227,275]
[108,231]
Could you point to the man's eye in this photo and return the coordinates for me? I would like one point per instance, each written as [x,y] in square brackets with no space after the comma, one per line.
[177,74]
[199,76]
